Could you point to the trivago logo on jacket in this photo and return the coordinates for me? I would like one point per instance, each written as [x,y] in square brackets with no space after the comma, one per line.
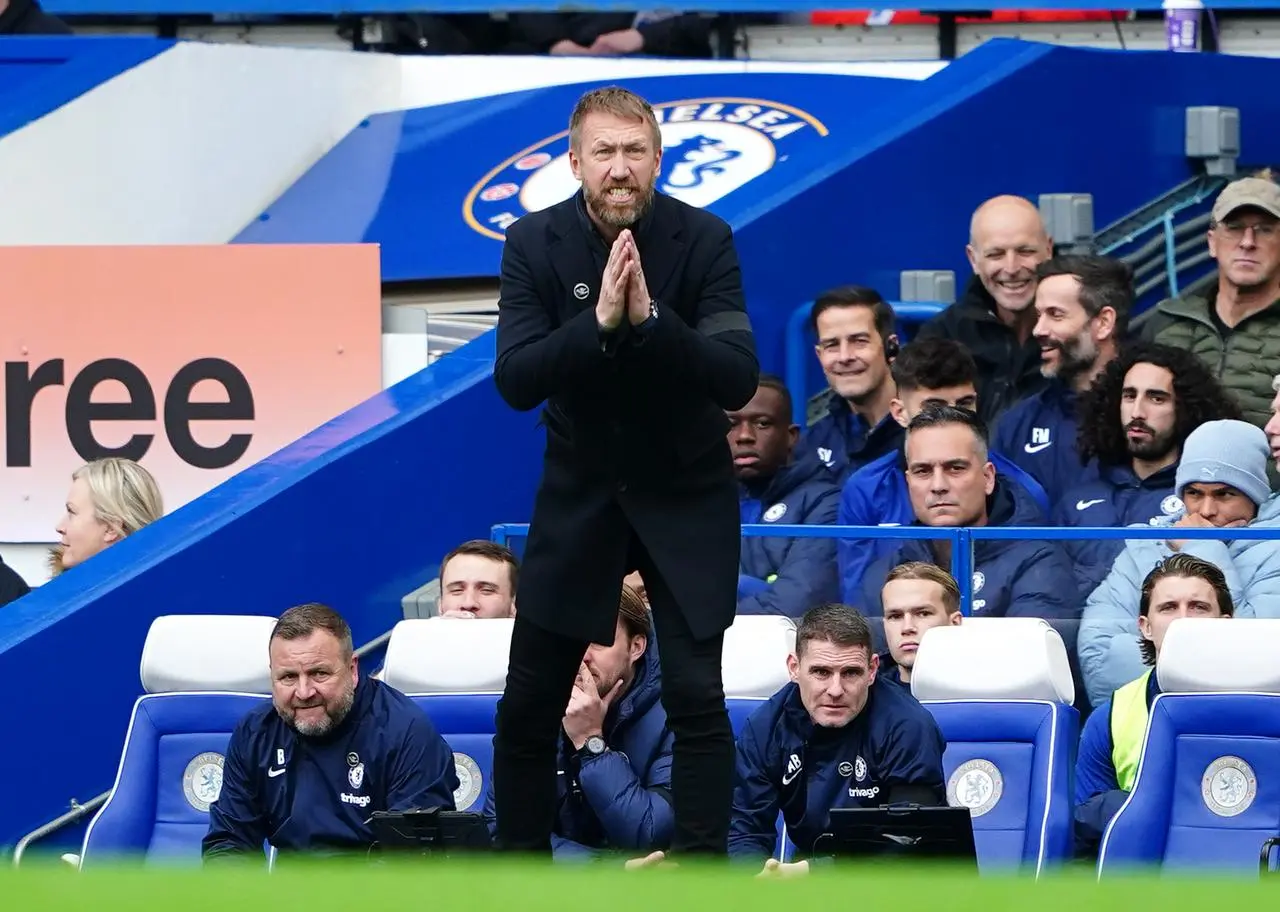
[710,147]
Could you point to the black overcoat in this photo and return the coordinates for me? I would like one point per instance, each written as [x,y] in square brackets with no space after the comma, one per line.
[635,424]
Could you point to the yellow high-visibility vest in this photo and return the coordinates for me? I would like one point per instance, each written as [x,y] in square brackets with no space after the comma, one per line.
[1128,726]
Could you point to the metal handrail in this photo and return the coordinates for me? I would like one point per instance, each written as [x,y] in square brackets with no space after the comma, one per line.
[1171,239]
[79,811]
[1158,212]
[962,538]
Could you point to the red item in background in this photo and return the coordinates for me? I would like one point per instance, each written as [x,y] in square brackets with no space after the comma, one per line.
[915,17]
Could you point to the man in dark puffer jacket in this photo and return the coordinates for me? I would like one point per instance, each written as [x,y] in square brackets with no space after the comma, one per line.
[786,576]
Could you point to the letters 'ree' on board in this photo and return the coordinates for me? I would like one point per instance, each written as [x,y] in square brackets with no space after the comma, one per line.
[196,360]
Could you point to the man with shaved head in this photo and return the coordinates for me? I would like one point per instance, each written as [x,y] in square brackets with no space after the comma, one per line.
[994,317]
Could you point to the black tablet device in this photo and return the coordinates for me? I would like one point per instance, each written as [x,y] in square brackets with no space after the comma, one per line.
[429,831]
[901,832]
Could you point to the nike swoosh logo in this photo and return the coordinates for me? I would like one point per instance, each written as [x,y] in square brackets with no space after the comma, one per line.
[1086,504]
[788,778]
[273,773]
[1037,447]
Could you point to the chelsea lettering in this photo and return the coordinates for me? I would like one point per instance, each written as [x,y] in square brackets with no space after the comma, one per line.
[710,147]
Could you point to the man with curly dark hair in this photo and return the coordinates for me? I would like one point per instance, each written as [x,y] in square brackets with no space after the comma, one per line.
[1134,419]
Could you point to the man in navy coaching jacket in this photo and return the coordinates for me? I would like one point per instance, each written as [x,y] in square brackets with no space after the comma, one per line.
[856,346]
[1082,312]
[838,736]
[782,575]
[928,372]
[306,772]
[613,792]
[1134,420]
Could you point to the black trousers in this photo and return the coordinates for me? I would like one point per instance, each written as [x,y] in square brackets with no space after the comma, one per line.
[540,677]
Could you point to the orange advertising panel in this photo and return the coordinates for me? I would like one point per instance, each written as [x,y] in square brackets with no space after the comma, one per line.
[196,361]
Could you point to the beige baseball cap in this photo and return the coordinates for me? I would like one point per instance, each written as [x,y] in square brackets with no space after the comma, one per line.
[1257,192]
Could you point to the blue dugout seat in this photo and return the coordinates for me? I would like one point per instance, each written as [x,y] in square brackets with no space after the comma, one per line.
[1207,794]
[201,675]
[754,663]
[1001,690]
[754,668]
[455,669]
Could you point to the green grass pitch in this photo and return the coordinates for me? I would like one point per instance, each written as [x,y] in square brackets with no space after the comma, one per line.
[471,886]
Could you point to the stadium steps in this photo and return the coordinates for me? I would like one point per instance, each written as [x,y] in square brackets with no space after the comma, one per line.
[441,317]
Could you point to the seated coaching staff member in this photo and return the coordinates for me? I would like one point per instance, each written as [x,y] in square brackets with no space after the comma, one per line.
[306,772]
[622,309]
[838,736]
[615,749]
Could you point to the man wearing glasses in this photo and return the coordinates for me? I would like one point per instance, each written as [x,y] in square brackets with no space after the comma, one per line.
[1235,330]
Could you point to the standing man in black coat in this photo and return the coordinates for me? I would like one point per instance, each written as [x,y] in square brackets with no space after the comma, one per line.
[622,310]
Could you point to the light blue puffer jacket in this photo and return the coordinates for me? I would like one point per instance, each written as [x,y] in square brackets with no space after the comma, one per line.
[1109,656]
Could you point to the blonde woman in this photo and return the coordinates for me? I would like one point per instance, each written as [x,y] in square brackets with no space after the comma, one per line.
[109,499]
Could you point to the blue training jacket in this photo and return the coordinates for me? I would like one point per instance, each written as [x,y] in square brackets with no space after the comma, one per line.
[1116,497]
[1098,794]
[1011,578]
[620,800]
[788,576]
[1038,434]
[786,763]
[307,794]
[877,495]
[844,443]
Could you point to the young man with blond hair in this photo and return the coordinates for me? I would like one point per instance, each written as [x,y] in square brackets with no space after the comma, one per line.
[916,596]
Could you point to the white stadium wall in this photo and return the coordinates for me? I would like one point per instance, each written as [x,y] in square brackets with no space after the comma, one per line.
[195,143]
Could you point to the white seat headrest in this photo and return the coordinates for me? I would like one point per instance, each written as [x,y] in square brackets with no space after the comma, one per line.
[448,655]
[208,652]
[972,622]
[997,659]
[1213,655]
[754,662]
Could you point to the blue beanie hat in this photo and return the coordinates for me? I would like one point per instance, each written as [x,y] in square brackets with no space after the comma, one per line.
[1226,452]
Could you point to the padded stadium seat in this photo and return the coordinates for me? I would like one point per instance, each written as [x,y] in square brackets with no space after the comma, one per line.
[1068,629]
[754,665]
[201,675]
[754,662]
[1001,691]
[455,669]
[1208,788]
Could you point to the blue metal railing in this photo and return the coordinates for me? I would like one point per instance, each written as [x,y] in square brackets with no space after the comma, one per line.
[799,347]
[962,538]
[1160,215]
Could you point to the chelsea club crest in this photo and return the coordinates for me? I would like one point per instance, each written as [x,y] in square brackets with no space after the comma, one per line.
[710,147]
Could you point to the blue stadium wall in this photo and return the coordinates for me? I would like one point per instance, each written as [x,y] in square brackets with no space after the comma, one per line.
[38,75]
[1008,117]
[359,512]
[356,515]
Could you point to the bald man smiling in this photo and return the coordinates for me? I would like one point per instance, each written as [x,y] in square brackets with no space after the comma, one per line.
[994,317]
